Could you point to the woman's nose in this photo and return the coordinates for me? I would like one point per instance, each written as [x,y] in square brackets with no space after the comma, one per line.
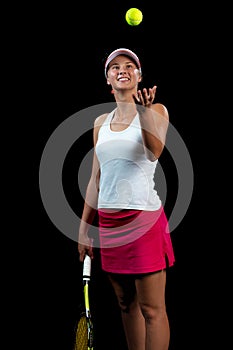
[121,71]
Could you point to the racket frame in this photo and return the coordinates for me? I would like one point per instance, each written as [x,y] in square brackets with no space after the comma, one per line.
[86,281]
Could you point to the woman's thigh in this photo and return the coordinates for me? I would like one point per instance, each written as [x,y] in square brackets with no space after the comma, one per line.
[150,289]
[124,287]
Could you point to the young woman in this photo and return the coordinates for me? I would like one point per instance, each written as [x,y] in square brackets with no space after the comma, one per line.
[135,243]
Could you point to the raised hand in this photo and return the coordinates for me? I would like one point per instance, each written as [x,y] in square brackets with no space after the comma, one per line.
[145,98]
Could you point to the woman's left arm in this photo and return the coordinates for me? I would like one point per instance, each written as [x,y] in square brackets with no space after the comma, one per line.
[154,119]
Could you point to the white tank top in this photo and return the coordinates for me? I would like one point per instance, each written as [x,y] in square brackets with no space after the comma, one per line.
[126,175]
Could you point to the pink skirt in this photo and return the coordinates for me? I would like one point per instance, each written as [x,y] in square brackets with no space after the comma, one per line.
[134,241]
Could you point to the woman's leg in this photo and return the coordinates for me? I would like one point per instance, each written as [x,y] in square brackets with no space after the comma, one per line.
[151,298]
[143,310]
[132,318]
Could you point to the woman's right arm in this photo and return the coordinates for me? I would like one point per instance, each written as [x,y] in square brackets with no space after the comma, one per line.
[91,199]
[89,211]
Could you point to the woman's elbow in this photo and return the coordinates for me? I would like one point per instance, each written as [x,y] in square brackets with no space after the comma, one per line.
[155,153]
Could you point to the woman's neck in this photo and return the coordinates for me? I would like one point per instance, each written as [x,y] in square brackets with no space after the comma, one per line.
[125,111]
[125,104]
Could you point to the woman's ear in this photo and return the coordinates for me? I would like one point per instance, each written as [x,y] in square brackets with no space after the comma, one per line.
[140,78]
[139,75]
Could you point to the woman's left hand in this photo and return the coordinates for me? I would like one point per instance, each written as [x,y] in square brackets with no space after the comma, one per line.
[145,97]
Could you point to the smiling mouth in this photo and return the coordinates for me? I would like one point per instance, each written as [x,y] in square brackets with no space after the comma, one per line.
[123,79]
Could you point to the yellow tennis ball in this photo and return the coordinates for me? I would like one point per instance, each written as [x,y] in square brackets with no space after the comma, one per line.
[133,16]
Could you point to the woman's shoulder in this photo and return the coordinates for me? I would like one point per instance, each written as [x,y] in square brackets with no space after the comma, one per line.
[100,120]
[97,125]
[161,109]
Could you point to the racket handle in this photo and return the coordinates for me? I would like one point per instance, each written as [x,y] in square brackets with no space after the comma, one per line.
[87,268]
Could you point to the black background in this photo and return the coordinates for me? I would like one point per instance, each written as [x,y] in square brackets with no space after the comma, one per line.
[63,52]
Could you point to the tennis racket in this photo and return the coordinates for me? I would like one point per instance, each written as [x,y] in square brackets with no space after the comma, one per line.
[84,329]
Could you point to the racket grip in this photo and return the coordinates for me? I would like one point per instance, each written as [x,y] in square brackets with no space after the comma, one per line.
[87,268]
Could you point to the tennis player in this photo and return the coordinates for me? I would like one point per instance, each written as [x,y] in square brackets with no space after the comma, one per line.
[135,241]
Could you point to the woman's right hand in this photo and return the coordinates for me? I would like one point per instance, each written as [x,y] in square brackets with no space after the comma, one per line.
[85,246]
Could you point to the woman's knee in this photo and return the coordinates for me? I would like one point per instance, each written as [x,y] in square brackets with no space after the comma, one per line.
[127,302]
[153,312]
[125,292]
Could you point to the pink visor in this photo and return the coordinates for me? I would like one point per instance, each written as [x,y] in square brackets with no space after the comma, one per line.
[125,52]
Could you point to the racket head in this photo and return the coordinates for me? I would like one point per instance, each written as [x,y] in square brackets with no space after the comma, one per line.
[84,334]
[81,333]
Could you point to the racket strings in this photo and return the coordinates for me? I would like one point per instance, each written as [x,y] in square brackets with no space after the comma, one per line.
[81,340]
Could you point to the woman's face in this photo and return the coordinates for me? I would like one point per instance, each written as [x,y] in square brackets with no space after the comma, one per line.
[123,73]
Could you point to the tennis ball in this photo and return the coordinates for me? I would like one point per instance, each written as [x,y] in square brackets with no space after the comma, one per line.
[133,16]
